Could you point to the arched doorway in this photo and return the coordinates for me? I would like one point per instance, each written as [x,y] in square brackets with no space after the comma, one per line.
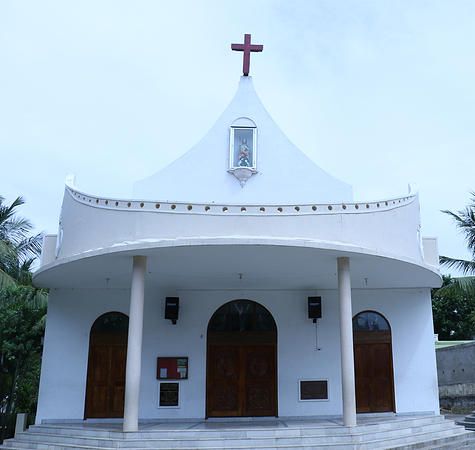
[241,361]
[374,377]
[105,388]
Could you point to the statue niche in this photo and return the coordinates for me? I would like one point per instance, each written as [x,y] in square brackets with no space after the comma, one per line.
[242,154]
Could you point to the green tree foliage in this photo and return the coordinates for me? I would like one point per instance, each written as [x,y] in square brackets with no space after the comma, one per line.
[22,319]
[454,303]
[22,313]
[465,222]
[453,307]
[18,249]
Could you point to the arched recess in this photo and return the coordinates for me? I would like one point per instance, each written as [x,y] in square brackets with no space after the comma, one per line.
[105,387]
[374,375]
[241,377]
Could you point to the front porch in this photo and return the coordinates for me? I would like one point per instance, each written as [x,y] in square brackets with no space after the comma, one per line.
[280,278]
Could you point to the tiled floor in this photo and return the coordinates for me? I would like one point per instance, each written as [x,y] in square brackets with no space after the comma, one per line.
[236,424]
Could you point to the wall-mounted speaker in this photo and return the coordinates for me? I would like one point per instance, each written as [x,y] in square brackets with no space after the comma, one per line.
[172,305]
[314,308]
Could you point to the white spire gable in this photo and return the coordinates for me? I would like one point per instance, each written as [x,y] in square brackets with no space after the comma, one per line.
[284,175]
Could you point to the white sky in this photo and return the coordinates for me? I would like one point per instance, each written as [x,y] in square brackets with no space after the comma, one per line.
[379,93]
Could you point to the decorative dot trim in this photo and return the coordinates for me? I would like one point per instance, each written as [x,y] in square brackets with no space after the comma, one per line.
[188,208]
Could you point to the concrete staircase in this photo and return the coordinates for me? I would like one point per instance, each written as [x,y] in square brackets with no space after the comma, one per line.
[403,433]
[468,422]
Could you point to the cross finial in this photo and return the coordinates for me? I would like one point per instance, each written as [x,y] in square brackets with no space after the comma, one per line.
[247,48]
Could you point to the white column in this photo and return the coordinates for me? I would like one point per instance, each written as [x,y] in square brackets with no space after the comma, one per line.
[346,343]
[134,345]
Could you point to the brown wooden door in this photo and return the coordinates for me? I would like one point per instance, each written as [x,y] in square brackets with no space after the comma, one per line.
[259,366]
[241,380]
[105,387]
[373,373]
[241,377]
[224,381]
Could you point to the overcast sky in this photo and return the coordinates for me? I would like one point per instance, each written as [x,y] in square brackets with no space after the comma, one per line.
[378,93]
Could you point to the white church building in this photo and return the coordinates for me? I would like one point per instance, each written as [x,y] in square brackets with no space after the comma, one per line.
[240,281]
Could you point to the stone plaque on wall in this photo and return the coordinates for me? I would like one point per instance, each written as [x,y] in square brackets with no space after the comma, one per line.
[314,390]
[169,394]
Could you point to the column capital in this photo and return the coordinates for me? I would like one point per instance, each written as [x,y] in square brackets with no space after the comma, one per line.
[139,259]
[343,260]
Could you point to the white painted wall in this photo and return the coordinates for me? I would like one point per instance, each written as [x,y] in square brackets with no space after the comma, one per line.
[409,312]
[71,314]
[285,174]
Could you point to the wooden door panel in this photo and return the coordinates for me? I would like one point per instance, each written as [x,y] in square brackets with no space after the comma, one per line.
[117,395]
[382,377]
[260,384]
[99,360]
[118,359]
[241,381]
[259,400]
[224,381]
[105,388]
[373,377]
[362,379]
[99,401]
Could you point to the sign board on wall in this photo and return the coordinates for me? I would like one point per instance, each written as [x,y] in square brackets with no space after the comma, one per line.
[172,368]
[314,390]
[168,395]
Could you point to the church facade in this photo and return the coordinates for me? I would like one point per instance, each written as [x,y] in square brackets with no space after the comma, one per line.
[250,284]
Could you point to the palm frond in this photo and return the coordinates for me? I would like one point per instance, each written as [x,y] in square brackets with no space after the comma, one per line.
[9,211]
[460,286]
[466,267]
[466,285]
[15,229]
[465,222]
[29,247]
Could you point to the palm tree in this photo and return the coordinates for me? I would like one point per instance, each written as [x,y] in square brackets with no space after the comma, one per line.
[465,221]
[22,313]
[18,249]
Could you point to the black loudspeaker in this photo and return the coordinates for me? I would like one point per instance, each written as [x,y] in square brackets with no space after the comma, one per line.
[172,304]
[314,308]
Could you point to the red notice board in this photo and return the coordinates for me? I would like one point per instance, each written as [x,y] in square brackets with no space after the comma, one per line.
[172,368]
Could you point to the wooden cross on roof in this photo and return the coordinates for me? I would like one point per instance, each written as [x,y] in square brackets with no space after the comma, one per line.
[247,48]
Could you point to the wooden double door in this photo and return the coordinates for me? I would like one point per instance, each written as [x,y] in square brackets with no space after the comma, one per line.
[241,380]
[241,377]
[105,386]
[373,372]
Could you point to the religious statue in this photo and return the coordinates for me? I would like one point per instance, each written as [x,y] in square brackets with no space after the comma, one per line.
[243,156]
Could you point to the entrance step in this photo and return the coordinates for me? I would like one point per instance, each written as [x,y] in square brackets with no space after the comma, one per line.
[468,422]
[402,433]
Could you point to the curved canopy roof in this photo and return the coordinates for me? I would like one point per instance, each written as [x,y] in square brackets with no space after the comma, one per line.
[239,263]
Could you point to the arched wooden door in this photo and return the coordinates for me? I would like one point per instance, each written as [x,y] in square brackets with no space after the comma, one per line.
[105,388]
[241,361]
[374,377]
